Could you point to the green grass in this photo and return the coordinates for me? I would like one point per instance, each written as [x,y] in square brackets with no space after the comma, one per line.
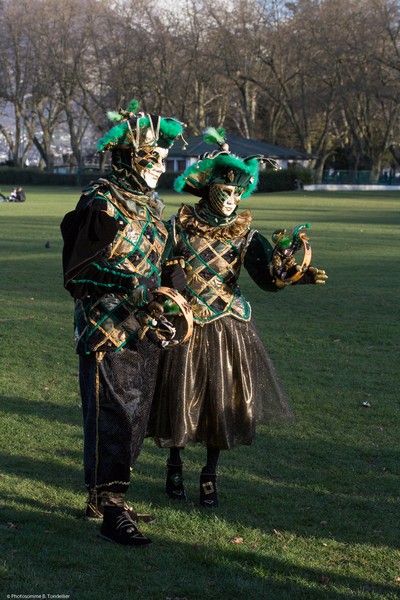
[315,504]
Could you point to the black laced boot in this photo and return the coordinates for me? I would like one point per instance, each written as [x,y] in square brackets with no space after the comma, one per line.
[119,528]
[208,489]
[174,482]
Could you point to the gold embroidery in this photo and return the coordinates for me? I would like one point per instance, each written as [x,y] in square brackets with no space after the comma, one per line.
[96,487]
[208,487]
[98,360]
[215,262]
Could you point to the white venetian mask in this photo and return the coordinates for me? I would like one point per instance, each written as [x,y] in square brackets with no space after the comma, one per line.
[225,198]
[149,163]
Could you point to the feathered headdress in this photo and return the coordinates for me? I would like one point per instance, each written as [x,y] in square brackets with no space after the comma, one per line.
[220,166]
[135,130]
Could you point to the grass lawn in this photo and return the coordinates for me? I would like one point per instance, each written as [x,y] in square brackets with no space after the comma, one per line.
[309,511]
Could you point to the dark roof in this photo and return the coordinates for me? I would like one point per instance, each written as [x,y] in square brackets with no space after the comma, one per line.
[240,146]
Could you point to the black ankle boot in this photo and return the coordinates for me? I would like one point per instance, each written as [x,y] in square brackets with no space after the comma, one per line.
[119,528]
[208,490]
[174,482]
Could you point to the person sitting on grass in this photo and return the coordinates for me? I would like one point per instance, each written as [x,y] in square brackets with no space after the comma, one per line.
[20,195]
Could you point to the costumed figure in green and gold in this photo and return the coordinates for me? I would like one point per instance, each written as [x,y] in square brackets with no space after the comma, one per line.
[213,389]
[114,246]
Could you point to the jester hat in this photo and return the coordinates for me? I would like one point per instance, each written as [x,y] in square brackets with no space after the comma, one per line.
[136,130]
[220,167]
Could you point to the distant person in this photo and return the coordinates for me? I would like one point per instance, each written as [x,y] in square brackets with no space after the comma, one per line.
[20,195]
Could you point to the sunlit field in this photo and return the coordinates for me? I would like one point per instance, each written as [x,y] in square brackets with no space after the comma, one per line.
[309,511]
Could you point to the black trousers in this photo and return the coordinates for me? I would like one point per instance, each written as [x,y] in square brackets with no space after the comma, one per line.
[116,390]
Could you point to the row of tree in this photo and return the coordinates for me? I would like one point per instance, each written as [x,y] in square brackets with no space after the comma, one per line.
[321,76]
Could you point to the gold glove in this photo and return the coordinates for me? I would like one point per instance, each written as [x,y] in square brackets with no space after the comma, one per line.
[311,275]
[318,276]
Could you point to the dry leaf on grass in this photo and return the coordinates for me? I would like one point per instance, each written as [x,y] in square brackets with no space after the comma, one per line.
[278,533]
[236,540]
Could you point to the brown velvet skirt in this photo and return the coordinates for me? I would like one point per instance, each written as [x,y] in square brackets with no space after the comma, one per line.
[215,388]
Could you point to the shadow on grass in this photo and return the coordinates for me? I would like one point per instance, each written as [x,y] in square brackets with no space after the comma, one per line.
[44,409]
[299,498]
[303,487]
[206,572]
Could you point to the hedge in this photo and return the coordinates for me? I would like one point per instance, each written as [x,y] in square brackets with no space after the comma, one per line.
[20,177]
[270,181]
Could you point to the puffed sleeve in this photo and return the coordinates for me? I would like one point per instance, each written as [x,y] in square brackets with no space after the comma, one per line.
[257,261]
[87,232]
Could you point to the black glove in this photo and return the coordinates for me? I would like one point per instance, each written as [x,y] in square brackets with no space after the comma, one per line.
[173,274]
[155,326]
[142,293]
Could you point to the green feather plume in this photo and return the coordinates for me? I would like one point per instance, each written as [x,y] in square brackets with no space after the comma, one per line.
[116,133]
[114,116]
[133,106]
[214,136]
[170,129]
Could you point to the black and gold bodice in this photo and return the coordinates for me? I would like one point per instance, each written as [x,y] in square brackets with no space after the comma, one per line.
[214,256]
[114,244]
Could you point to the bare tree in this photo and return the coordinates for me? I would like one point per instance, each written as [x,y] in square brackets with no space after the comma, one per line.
[299,78]
[387,17]
[237,31]
[320,76]
[370,88]
[15,73]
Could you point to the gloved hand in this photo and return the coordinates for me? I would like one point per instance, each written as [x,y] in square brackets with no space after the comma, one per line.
[142,294]
[155,326]
[313,276]
[162,335]
[173,274]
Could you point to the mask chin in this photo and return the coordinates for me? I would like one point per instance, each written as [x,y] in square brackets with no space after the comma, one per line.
[228,207]
[151,178]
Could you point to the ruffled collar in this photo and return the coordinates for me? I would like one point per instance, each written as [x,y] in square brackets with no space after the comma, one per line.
[191,221]
[204,212]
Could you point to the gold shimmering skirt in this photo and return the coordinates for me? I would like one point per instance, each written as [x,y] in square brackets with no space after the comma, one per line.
[215,388]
